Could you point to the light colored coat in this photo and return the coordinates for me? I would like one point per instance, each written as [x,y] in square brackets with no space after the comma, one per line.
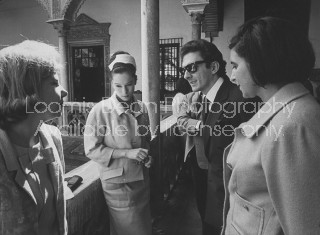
[272,169]
[125,184]
[109,127]
[18,206]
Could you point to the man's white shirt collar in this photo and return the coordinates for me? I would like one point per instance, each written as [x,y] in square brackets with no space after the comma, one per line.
[214,90]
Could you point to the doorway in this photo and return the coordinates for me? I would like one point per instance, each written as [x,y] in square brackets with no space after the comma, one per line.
[88,73]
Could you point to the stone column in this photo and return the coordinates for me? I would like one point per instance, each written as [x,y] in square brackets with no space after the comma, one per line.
[62,27]
[150,59]
[195,8]
[151,78]
[196,19]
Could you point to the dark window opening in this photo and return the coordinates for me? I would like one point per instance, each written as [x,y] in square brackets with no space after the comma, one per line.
[88,73]
[169,67]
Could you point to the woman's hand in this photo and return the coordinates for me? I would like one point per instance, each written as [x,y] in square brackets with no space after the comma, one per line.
[139,154]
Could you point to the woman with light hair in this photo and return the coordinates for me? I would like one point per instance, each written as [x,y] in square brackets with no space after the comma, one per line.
[31,156]
[117,138]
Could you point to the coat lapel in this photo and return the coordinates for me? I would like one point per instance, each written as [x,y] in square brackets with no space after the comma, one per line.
[194,105]
[192,100]
[51,141]
[216,110]
[51,154]
[275,104]
[23,182]
[12,164]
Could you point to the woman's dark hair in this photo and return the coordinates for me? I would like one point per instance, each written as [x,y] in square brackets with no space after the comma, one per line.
[275,51]
[122,67]
[208,51]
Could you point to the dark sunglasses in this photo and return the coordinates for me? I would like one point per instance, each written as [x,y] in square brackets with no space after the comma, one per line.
[193,67]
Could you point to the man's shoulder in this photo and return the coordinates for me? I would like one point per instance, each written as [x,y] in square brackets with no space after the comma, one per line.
[234,92]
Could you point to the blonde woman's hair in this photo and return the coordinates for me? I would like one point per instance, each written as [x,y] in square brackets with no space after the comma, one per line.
[23,67]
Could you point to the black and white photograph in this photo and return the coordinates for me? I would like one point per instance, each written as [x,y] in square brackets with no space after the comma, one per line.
[159,117]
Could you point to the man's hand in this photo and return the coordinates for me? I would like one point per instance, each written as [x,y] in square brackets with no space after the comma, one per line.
[139,154]
[190,130]
[149,162]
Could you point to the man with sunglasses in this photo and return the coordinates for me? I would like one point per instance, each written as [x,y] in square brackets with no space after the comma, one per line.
[204,115]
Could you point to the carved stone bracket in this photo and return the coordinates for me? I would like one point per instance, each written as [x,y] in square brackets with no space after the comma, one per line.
[62,26]
[194,6]
[196,17]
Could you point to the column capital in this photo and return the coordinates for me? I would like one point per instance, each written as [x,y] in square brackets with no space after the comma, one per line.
[194,6]
[196,17]
[61,25]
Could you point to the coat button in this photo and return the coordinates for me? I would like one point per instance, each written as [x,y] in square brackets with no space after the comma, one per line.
[230,166]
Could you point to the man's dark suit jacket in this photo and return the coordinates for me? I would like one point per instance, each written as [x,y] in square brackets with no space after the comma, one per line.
[227,112]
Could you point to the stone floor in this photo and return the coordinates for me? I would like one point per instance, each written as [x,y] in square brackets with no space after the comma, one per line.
[179,215]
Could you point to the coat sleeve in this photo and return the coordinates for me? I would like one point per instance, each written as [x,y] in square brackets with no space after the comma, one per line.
[291,162]
[94,133]
[185,111]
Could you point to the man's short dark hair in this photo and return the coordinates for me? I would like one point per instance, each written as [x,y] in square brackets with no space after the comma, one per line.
[208,51]
[275,51]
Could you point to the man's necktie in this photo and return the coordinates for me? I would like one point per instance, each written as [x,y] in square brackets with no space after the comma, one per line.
[205,108]
[198,141]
